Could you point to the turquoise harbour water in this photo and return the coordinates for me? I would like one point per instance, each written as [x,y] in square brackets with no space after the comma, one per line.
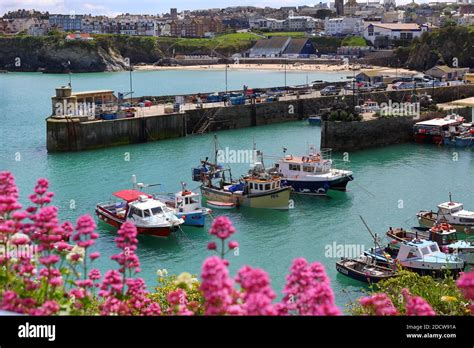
[391,184]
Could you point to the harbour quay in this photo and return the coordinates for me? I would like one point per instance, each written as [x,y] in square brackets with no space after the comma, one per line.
[74,125]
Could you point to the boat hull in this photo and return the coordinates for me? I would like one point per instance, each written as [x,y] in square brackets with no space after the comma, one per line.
[197,218]
[423,138]
[319,187]
[116,222]
[428,219]
[366,278]
[278,199]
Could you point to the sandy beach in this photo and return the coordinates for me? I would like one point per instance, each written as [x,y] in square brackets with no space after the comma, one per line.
[271,67]
[281,67]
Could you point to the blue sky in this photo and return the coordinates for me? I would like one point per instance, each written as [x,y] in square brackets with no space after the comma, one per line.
[111,7]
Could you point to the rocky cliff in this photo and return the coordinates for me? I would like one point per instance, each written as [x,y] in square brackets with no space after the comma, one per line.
[50,54]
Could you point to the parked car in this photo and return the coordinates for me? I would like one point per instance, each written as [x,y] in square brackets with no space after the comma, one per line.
[379,86]
[364,87]
[330,90]
[403,85]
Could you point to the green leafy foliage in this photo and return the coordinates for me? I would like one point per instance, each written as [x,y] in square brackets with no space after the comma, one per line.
[442,294]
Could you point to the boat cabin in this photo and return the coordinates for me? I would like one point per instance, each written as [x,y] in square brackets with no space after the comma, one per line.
[454,213]
[138,205]
[292,166]
[256,185]
[438,126]
[187,201]
[417,249]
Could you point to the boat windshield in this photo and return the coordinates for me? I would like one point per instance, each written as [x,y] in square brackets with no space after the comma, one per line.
[156,210]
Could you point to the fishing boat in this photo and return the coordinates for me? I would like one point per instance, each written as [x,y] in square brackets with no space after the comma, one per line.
[187,205]
[255,190]
[149,215]
[314,120]
[449,212]
[443,234]
[420,256]
[460,136]
[432,131]
[312,174]
[365,269]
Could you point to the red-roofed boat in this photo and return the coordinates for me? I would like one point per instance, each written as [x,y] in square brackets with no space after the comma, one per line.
[150,216]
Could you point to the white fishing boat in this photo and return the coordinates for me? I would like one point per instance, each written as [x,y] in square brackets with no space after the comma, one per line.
[313,174]
[150,216]
[450,212]
[443,234]
[421,256]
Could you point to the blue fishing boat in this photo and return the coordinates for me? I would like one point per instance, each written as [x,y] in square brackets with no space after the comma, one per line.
[464,141]
[314,120]
[187,206]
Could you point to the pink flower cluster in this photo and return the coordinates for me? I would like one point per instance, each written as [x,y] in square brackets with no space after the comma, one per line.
[222,228]
[379,304]
[416,305]
[466,284]
[216,286]
[308,290]
[257,294]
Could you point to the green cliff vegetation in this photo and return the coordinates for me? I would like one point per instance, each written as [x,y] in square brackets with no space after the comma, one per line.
[439,46]
[354,41]
[110,52]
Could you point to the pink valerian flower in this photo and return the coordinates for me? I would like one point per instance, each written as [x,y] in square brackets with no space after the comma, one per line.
[47,230]
[8,196]
[41,195]
[212,246]
[47,308]
[257,294]
[12,302]
[127,241]
[178,301]
[466,284]
[416,305]
[233,245]
[85,234]
[308,290]
[94,274]
[222,227]
[379,304]
[216,286]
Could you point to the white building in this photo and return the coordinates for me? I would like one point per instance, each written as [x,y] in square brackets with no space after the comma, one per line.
[343,26]
[393,31]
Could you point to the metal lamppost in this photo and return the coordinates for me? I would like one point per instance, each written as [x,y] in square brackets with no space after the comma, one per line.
[131,83]
[226,77]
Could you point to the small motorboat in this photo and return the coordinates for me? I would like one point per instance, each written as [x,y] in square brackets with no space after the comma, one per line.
[150,216]
[420,256]
[365,269]
[443,234]
[314,120]
[187,206]
[449,212]
[221,205]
